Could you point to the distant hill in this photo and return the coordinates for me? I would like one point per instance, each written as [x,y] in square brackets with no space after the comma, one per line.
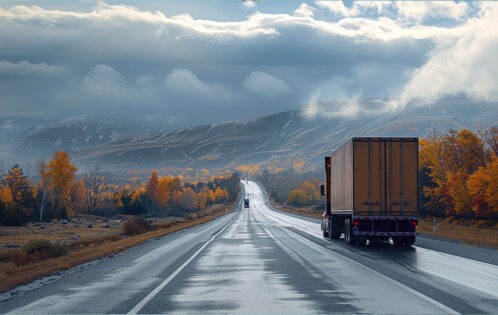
[145,142]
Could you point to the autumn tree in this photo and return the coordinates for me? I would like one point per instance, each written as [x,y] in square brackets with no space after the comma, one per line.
[189,200]
[95,181]
[306,194]
[151,192]
[483,187]
[454,171]
[61,174]
[17,196]
[78,196]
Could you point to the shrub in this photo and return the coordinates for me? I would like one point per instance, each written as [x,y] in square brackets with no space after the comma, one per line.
[34,251]
[19,258]
[137,226]
[95,241]
[44,248]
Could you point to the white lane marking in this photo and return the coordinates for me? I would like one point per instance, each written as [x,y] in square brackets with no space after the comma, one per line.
[437,304]
[163,284]
[430,300]
[477,275]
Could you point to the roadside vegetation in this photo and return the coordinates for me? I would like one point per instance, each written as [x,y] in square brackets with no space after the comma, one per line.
[474,232]
[63,218]
[69,244]
[60,193]
[458,185]
[459,174]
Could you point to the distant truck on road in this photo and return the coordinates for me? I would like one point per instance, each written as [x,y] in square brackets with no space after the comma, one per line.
[371,191]
[246,203]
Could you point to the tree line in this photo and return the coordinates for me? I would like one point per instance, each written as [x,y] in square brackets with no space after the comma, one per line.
[295,187]
[60,193]
[459,173]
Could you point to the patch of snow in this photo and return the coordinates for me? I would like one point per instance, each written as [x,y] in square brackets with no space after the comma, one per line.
[114,136]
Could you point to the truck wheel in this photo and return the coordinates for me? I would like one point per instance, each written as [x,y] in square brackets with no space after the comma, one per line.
[348,234]
[324,230]
[347,231]
[400,241]
[335,229]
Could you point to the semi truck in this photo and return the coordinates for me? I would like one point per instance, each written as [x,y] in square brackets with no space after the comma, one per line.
[371,191]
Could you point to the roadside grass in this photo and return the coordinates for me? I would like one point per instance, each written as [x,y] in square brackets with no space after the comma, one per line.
[482,233]
[310,211]
[82,251]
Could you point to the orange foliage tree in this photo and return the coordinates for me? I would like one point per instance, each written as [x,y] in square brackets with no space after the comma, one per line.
[459,167]
[17,197]
[61,174]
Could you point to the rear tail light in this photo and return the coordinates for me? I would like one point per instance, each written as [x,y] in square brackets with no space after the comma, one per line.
[414,222]
[356,222]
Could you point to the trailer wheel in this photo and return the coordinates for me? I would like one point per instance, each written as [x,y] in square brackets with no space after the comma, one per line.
[348,235]
[403,241]
[335,228]
[347,230]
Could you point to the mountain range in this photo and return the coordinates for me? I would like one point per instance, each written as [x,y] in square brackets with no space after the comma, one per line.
[142,142]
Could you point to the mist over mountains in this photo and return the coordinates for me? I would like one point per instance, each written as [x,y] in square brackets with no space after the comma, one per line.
[139,142]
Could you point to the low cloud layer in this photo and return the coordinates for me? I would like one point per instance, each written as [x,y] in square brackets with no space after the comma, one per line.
[323,57]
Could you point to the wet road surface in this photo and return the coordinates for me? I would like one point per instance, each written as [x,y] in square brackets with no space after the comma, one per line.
[258,261]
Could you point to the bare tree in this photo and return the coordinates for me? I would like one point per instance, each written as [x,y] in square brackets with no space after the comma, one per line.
[43,187]
[491,139]
[95,182]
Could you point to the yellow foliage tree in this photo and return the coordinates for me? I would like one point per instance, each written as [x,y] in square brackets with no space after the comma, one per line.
[61,174]
[483,187]
[449,160]
[6,196]
[306,194]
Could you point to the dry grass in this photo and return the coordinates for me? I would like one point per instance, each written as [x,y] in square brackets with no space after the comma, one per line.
[92,247]
[472,232]
[305,211]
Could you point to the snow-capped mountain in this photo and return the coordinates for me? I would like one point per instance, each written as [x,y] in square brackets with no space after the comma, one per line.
[145,142]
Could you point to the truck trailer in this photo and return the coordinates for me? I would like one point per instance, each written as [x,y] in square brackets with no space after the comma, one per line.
[371,191]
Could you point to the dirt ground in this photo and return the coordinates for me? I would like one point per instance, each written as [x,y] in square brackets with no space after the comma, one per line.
[65,231]
[104,235]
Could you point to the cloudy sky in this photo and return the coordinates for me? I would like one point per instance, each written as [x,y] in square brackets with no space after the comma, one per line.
[211,61]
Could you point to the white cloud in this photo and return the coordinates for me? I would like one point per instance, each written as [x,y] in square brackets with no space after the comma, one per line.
[332,107]
[358,7]
[103,77]
[367,49]
[417,11]
[304,10]
[466,65]
[184,81]
[266,85]
[411,11]
[249,4]
[23,68]
[337,8]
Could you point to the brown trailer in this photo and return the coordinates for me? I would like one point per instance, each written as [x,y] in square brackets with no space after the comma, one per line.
[372,190]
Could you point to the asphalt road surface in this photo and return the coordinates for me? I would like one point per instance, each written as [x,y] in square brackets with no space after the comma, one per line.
[261,261]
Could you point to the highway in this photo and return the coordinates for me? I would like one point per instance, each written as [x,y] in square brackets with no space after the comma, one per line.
[261,261]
